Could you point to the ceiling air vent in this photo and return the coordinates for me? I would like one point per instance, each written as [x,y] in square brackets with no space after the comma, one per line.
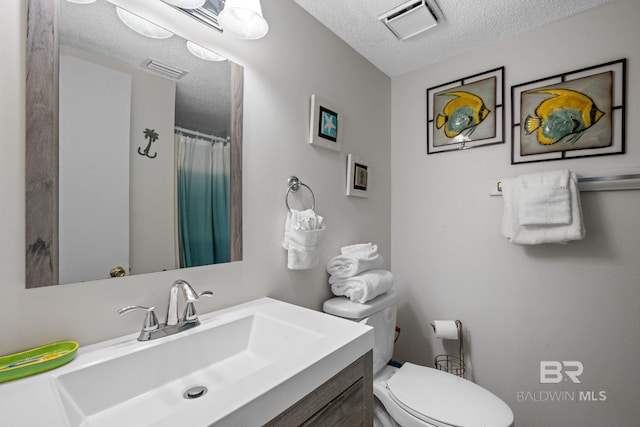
[410,19]
[164,69]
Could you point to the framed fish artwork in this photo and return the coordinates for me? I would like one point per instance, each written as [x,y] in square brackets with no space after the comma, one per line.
[466,113]
[570,115]
[325,124]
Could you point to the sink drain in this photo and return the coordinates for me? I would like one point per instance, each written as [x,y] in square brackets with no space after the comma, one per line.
[195,392]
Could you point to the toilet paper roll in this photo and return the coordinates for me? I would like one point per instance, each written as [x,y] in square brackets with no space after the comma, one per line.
[446,329]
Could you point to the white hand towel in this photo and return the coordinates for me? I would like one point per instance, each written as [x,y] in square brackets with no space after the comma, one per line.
[300,220]
[540,233]
[544,198]
[302,236]
[345,266]
[304,248]
[365,286]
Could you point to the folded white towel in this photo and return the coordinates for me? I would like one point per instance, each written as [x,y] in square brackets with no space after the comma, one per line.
[359,249]
[544,198]
[302,236]
[540,233]
[354,260]
[365,286]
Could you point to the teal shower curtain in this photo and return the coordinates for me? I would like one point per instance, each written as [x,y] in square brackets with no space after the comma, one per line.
[203,201]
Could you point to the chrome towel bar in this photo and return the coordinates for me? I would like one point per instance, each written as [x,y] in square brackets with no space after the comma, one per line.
[596,183]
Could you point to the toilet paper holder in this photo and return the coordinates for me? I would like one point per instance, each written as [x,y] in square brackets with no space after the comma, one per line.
[449,363]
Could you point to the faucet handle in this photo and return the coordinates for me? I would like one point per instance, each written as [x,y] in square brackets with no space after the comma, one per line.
[150,320]
[190,310]
[189,293]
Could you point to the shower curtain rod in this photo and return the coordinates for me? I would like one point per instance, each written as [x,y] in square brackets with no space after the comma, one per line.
[201,135]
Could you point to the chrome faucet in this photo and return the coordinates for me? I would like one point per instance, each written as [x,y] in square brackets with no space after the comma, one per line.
[151,329]
[190,296]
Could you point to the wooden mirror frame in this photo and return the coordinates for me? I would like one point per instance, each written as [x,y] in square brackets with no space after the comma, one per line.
[41,159]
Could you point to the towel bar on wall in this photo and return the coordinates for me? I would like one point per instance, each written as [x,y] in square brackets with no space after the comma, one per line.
[594,183]
[293,184]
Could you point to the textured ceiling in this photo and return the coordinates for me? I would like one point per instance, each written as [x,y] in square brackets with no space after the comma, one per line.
[467,24]
[203,95]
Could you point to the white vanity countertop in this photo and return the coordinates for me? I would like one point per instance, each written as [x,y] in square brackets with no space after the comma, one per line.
[292,371]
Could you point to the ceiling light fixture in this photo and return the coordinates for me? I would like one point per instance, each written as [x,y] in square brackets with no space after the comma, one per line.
[81,1]
[204,53]
[186,4]
[243,19]
[142,26]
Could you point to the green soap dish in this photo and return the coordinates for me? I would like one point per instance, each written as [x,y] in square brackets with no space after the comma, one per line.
[37,360]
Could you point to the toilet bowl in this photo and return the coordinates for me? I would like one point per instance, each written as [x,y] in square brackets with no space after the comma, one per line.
[414,395]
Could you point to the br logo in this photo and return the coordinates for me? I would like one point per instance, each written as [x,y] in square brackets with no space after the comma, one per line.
[554,371]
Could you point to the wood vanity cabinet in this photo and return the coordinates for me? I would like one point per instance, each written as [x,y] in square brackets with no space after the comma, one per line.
[345,400]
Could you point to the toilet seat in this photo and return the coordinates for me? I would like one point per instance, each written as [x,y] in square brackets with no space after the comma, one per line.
[444,400]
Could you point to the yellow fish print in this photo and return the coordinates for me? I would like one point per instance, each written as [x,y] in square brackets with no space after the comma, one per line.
[462,114]
[567,112]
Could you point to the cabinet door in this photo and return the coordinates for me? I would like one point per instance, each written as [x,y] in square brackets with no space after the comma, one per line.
[344,400]
[345,410]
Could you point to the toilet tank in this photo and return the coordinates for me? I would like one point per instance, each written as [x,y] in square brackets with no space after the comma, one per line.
[379,313]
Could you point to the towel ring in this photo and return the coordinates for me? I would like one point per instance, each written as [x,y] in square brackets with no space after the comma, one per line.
[294,185]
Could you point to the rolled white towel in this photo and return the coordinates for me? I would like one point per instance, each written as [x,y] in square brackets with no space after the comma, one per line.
[365,286]
[345,266]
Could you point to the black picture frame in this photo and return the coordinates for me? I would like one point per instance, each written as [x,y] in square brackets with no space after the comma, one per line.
[493,124]
[615,110]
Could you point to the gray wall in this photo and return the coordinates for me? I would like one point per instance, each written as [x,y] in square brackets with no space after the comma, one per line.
[297,58]
[521,305]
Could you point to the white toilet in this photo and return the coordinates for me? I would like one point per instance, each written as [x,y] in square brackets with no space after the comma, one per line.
[413,395]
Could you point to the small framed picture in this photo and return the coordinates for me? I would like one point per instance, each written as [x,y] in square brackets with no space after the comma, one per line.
[325,124]
[358,177]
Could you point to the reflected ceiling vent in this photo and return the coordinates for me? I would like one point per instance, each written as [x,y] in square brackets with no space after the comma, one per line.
[411,18]
[166,70]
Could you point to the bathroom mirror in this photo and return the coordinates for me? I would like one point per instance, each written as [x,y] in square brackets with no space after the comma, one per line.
[138,144]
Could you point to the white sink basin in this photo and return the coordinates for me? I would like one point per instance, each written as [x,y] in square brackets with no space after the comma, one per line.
[152,381]
[254,360]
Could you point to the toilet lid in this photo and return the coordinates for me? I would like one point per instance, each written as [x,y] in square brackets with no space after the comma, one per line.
[443,399]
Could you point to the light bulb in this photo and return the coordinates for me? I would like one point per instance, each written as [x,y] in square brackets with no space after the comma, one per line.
[243,19]
[142,26]
[204,53]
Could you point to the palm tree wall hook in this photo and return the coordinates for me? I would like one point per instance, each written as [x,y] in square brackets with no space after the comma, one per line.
[152,136]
